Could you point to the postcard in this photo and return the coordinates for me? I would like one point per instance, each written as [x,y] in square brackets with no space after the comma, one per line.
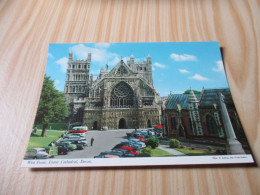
[136,104]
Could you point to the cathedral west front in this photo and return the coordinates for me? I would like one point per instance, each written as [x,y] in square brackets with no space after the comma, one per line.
[123,98]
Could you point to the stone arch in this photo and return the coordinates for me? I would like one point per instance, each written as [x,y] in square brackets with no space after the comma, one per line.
[122,124]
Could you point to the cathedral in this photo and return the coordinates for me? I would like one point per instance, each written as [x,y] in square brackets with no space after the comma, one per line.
[123,98]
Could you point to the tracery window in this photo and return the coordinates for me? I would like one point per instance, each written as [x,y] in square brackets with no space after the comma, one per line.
[122,96]
[122,70]
[212,126]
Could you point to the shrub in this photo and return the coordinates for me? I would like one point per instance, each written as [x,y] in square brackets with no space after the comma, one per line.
[153,142]
[174,143]
[210,148]
[221,151]
[192,147]
[146,152]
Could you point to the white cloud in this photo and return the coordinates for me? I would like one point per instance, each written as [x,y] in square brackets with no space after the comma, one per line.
[63,63]
[98,55]
[199,77]
[159,65]
[184,57]
[50,55]
[183,71]
[220,67]
[153,69]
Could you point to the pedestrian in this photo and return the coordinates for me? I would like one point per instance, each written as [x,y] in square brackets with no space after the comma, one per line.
[92,140]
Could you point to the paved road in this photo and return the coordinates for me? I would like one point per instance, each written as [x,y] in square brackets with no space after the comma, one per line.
[103,141]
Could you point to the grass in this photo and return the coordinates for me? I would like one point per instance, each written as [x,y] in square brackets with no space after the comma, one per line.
[36,141]
[194,152]
[160,153]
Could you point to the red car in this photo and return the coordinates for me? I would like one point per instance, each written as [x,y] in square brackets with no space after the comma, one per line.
[142,139]
[78,131]
[131,150]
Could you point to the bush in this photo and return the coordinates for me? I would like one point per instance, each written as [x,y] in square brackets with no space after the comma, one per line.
[210,148]
[174,143]
[153,142]
[146,152]
[221,151]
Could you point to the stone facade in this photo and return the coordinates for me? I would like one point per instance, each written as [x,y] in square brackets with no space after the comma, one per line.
[121,98]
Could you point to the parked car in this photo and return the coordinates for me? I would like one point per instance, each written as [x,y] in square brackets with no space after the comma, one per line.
[68,144]
[138,141]
[142,139]
[80,145]
[131,143]
[63,149]
[36,153]
[126,145]
[125,152]
[104,154]
[76,134]
[131,150]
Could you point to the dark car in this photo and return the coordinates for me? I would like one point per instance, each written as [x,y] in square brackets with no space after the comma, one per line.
[114,153]
[124,152]
[63,149]
[80,145]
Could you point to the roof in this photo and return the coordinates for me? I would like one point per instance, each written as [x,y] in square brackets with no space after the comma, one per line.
[209,97]
[181,99]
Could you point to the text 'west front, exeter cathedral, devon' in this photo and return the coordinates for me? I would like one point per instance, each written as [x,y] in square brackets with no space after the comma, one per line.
[121,98]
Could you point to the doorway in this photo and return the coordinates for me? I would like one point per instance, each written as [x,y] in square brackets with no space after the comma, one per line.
[149,123]
[122,124]
[95,125]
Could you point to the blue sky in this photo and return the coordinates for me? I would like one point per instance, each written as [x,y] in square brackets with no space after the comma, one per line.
[177,66]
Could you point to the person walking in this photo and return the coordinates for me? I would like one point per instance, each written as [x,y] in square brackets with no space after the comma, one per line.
[92,141]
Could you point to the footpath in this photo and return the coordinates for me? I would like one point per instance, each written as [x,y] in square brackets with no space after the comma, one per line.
[171,150]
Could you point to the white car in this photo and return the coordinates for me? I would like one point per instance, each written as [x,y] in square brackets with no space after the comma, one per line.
[36,153]
[80,128]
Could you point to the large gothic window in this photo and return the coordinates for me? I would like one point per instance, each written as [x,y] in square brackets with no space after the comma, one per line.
[212,126]
[122,96]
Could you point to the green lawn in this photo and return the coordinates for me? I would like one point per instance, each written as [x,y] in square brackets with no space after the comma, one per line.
[160,153]
[194,152]
[36,141]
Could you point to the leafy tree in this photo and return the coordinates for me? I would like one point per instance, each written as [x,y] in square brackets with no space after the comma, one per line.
[52,106]
[188,92]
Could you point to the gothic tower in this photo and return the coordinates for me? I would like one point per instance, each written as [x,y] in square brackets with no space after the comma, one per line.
[77,78]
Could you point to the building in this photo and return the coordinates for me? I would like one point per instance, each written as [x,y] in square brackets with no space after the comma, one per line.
[200,116]
[121,98]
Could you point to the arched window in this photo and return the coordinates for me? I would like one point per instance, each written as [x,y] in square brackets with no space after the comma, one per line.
[122,96]
[212,126]
[173,123]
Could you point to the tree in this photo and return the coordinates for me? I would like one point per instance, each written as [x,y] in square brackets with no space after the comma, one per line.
[188,92]
[52,106]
